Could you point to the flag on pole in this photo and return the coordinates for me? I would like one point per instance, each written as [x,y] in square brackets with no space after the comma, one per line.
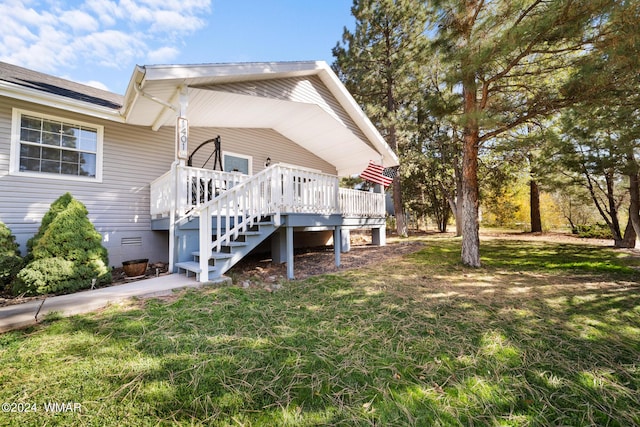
[375,173]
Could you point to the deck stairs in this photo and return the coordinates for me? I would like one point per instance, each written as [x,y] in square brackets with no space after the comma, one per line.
[221,259]
[236,221]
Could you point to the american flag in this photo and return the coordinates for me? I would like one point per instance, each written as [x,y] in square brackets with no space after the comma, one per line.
[378,174]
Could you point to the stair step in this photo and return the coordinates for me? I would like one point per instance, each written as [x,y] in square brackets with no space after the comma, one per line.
[215,255]
[193,266]
[249,233]
[235,244]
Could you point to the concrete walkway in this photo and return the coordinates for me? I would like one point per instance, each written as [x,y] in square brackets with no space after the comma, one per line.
[22,315]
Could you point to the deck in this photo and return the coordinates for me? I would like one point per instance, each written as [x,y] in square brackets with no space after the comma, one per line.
[185,189]
[221,213]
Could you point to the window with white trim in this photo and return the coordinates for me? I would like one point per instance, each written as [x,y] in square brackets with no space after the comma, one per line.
[56,147]
[233,162]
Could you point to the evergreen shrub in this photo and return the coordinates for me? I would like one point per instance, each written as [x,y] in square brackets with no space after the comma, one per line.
[66,254]
[10,260]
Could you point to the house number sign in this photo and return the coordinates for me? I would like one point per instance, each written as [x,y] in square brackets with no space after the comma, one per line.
[183,137]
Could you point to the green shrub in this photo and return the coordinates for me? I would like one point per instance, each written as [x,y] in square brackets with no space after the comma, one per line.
[593,231]
[8,245]
[10,265]
[66,253]
[56,207]
[10,260]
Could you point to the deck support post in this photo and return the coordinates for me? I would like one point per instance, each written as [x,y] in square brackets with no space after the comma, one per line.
[337,244]
[289,244]
[279,246]
[379,236]
[345,240]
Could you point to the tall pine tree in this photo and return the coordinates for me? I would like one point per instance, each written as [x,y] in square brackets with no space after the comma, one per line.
[510,59]
[378,63]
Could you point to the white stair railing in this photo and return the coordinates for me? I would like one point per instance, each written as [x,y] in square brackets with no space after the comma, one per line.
[279,188]
[187,188]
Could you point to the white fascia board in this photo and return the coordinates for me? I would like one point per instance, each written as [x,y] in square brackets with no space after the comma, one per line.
[60,102]
[244,71]
[131,94]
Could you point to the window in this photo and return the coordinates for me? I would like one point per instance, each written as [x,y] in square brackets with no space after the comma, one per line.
[236,163]
[56,147]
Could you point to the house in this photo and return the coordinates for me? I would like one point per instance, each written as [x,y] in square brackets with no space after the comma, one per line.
[209,159]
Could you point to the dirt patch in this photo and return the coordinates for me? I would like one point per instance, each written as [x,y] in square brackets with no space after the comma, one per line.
[257,269]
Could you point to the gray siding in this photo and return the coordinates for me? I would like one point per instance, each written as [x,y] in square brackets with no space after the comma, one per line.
[118,206]
[132,158]
[298,89]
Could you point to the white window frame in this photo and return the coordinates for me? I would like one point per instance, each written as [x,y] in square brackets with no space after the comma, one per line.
[14,165]
[241,156]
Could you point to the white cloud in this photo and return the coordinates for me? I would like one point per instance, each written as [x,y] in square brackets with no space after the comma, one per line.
[79,21]
[105,10]
[163,55]
[173,22]
[111,48]
[96,84]
[50,36]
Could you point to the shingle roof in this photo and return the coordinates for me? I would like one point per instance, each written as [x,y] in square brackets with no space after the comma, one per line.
[57,86]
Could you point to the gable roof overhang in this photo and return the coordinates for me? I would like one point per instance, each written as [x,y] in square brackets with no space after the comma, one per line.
[153,99]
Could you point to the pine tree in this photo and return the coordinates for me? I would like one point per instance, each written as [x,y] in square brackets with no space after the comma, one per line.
[511,59]
[378,63]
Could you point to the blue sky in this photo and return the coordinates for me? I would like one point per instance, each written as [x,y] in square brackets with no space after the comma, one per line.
[98,42]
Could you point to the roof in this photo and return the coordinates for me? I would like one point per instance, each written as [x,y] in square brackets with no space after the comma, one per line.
[30,79]
[334,128]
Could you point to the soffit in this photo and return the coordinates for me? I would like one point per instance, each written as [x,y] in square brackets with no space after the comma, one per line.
[309,125]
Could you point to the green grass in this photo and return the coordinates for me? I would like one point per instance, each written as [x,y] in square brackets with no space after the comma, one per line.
[542,334]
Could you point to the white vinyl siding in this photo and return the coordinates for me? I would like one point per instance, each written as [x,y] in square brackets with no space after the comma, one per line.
[118,205]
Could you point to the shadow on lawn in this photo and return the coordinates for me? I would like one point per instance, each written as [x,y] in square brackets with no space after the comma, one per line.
[424,341]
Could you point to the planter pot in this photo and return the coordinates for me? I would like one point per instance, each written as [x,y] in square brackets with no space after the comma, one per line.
[135,268]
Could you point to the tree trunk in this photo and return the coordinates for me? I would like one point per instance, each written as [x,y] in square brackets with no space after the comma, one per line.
[628,241]
[634,195]
[536,221]
[455,203]
[398,208]
[458,211]
[613,208]
[470,191]
[444,220]
[401,223]
[470,188]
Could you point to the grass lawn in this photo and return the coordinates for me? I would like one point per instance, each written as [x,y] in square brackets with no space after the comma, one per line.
[543,334]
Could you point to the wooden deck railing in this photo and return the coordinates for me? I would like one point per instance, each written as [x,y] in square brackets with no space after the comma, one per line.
[356,203]
[193,187]
[299,190]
